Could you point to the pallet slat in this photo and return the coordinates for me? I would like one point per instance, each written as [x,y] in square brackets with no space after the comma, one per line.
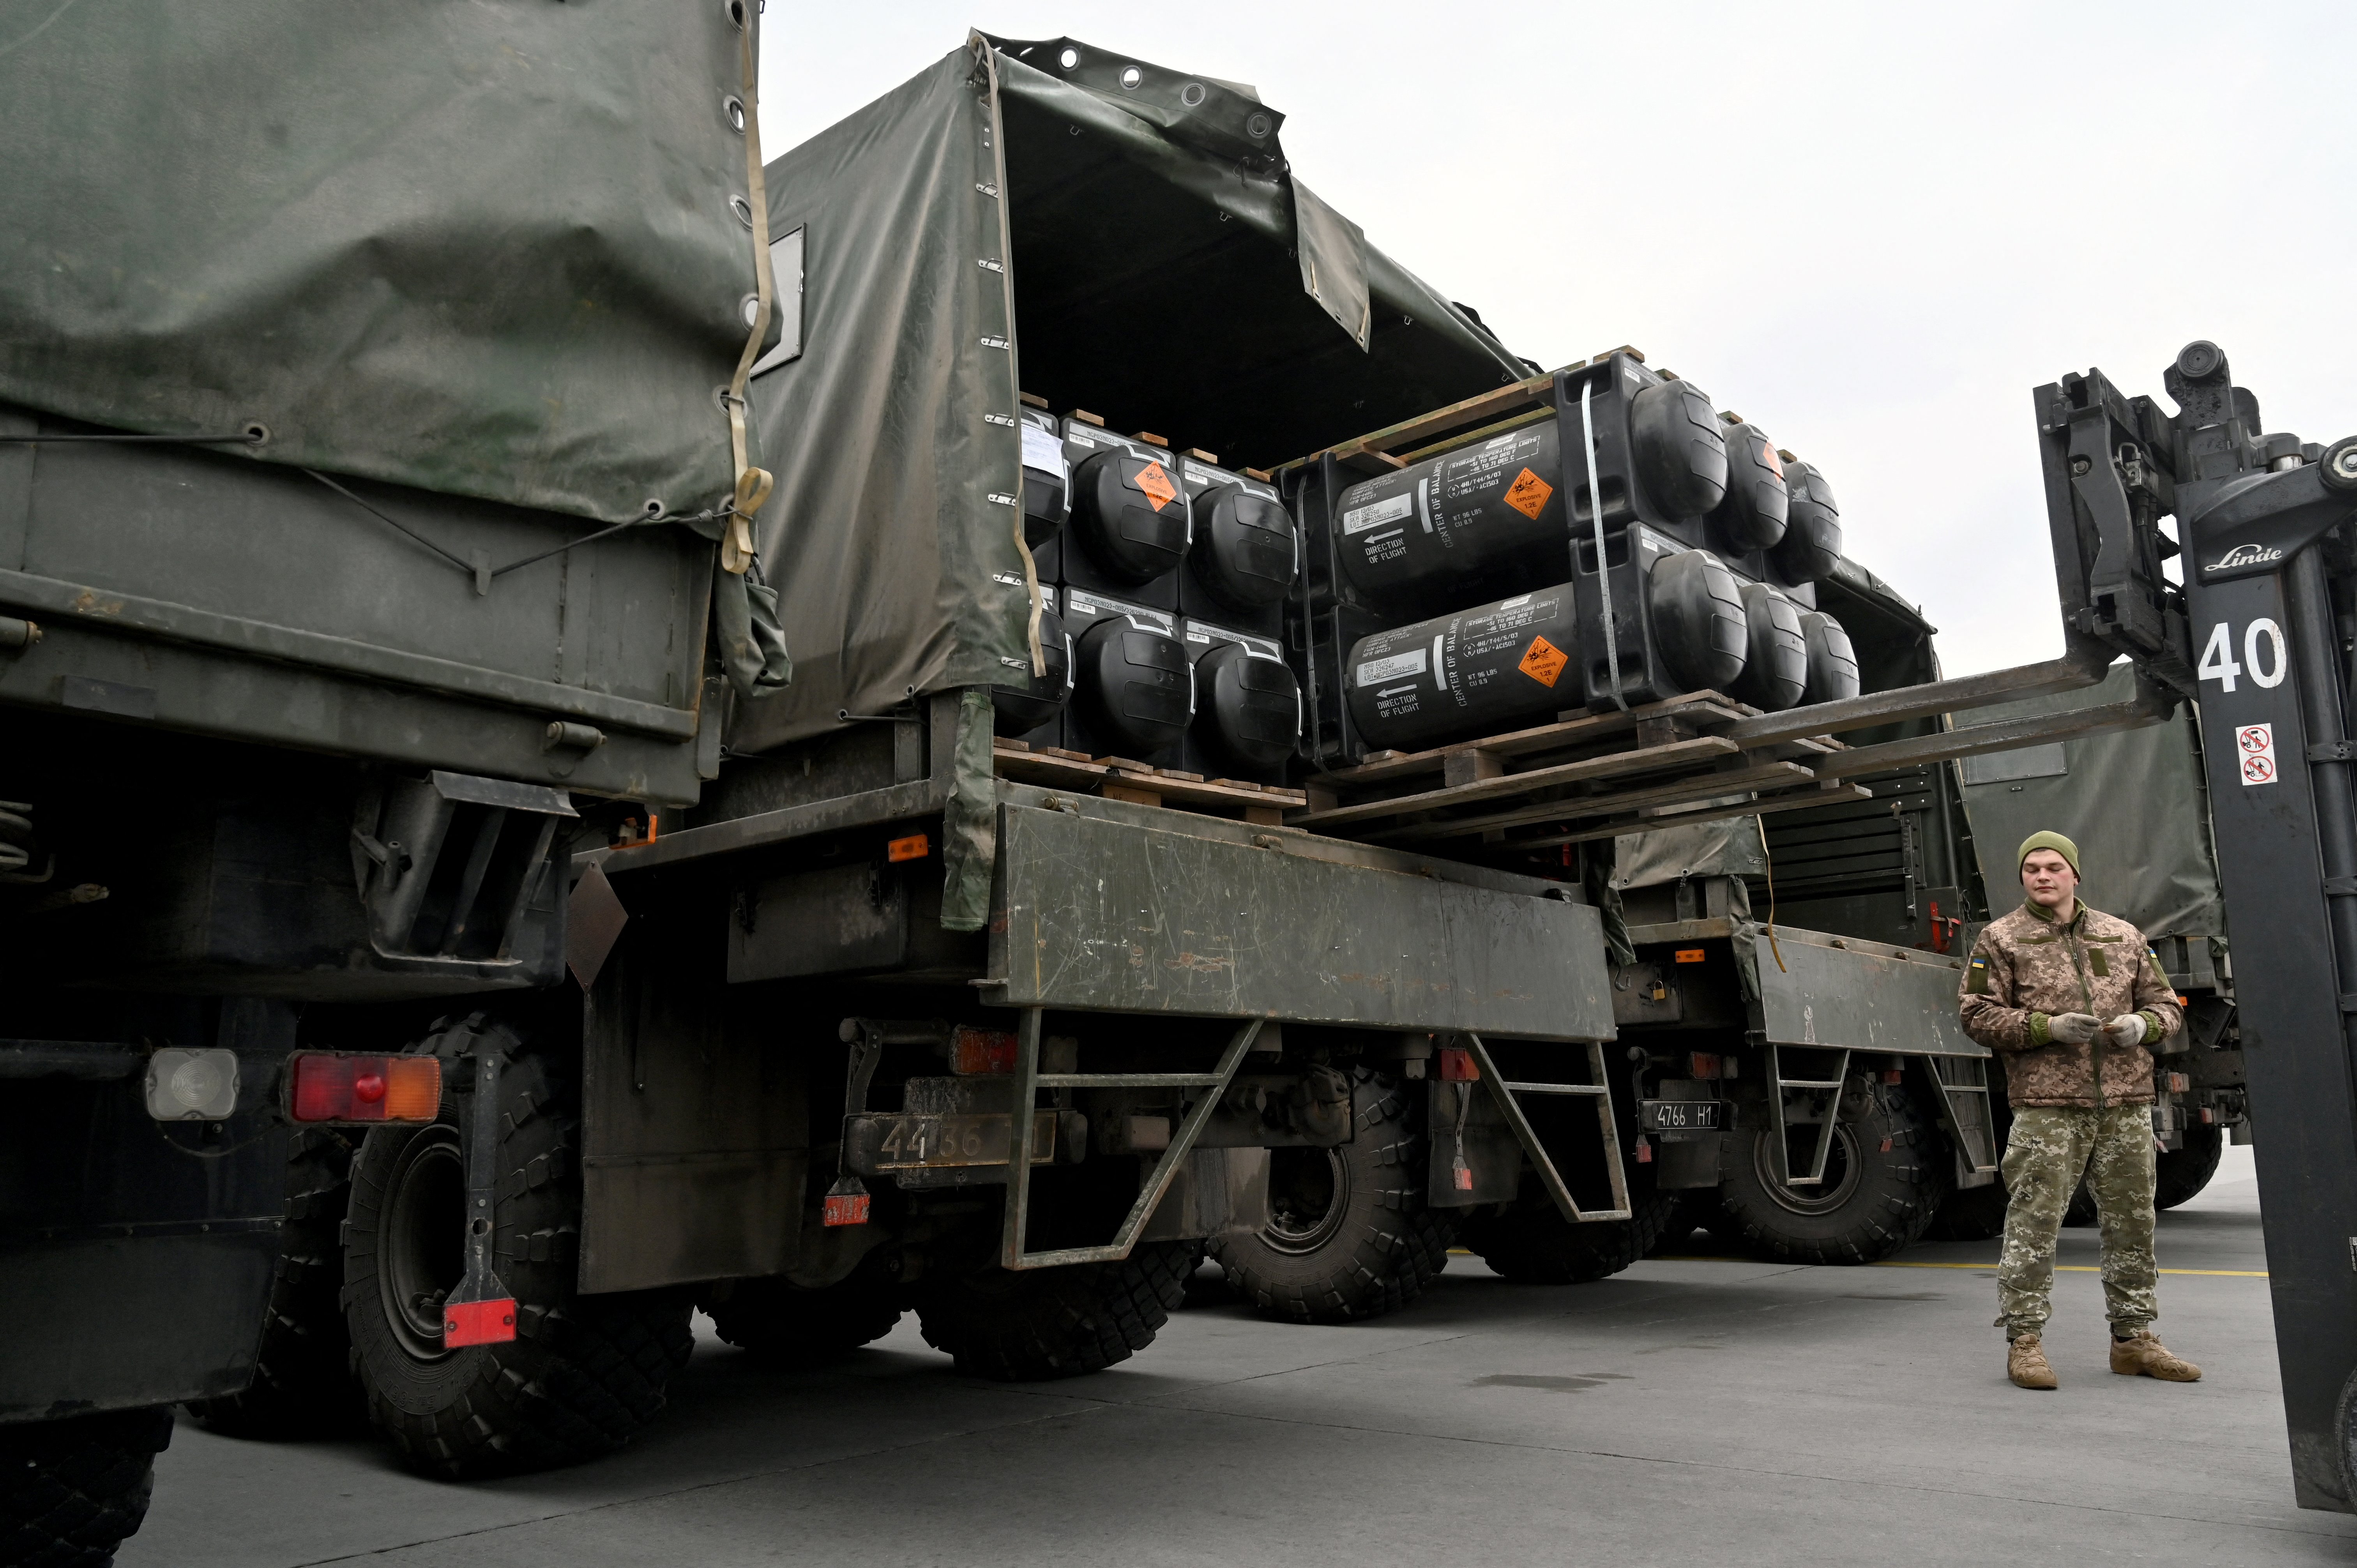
[1704,787]
[1612,764]
[1120,779]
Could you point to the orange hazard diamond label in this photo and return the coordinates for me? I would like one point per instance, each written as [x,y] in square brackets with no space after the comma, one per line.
[1543,661]
[1156,483]
[1528,495]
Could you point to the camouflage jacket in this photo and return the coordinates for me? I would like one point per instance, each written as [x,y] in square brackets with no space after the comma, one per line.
[2028,967]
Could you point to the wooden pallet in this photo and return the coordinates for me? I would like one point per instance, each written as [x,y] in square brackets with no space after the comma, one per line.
[1119,779]
[1587,776]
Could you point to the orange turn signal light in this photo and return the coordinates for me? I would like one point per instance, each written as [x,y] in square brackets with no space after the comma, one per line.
[1690,955]
[916,846]
[349,1086]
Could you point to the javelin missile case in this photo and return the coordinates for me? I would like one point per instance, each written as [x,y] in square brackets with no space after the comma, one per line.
[1697,571]
[356,556]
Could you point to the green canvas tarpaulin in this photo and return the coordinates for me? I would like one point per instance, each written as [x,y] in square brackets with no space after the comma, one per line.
[497,249]
[2133,801]
[1007,223]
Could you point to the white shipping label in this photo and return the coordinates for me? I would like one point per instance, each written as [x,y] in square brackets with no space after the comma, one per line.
[1375,672]
[2254,746]
[1374,514]
[1044,451]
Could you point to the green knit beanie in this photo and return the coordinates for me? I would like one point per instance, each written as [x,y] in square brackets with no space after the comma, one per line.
[2054,842]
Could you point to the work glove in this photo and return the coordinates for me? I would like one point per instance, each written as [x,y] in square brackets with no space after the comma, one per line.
[2072,1028]
[2125,1030]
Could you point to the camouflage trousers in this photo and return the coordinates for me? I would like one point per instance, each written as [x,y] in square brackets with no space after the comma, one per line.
[2045,1154]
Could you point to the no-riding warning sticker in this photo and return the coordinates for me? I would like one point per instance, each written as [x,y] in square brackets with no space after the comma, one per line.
[2256,746]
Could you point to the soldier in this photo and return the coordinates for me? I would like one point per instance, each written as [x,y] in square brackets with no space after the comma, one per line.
[2071,998]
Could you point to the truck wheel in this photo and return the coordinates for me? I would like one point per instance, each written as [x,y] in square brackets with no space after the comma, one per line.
[2180,1174]
[583,1374]
[1349,1234]
[1885,1180]
[787,1324]
[1970,1214]
[71,1491]
[303,1381]
[1031,1325]
[1534,1244]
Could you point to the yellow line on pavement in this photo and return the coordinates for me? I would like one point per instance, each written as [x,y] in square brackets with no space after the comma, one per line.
[2072,1268]
[1991,1267]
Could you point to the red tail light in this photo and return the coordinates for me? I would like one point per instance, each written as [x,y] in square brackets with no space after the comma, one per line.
[342,1086]
[981,1051]
[1458,1066]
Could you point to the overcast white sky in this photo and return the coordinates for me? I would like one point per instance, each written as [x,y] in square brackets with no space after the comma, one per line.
[1870,230]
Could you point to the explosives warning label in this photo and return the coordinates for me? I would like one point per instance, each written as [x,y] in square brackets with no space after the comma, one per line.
[1543,661]
[1156,483]
[1528,495]
[2256,746]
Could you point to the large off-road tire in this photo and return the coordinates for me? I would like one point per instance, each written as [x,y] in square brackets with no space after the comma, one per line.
[1970,1214]
[1885,1180]
[303,1384]
[1031,1325]
[583,1374]
[1350,1235]
[1533,1243]
[790,1325]
[2182,1173]
[70,1491]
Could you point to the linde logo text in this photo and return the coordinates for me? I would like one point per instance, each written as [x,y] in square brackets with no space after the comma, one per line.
[2245,555]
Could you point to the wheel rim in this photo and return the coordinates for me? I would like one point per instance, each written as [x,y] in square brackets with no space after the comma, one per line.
[1843,1166]
[421,1247]
[1310,1194]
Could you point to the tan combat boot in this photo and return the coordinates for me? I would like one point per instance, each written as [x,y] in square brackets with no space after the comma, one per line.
[2025,1363]
[2143,1352]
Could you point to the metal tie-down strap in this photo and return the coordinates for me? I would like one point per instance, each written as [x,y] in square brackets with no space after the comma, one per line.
[480,1311]
[1600,1091]
[1029,1080]
[1830,1087]
[1603,571]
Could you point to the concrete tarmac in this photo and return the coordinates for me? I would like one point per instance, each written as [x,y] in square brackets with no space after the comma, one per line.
[1698,1408]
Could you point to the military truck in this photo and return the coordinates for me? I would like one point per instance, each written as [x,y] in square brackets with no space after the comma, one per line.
[1018,828]
[357,557]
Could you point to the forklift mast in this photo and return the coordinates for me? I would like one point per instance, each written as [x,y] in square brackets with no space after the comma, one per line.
[2257,634]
